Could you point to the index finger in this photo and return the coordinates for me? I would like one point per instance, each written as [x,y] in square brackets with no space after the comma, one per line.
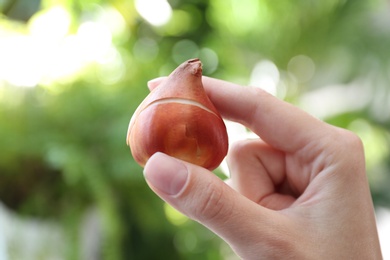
[278,123]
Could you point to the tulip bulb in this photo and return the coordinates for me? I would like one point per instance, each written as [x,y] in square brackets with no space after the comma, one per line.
[178,118]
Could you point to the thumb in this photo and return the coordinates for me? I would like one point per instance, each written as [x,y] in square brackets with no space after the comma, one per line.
[202,196]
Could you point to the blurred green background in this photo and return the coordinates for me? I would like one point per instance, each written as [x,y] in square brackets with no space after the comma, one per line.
[72,73]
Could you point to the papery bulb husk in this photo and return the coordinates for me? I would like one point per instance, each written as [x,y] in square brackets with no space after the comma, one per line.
[178,118]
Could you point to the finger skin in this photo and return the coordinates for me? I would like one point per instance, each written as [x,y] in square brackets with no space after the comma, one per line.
[278,123]
[207,199]
[257,171]
[328,212]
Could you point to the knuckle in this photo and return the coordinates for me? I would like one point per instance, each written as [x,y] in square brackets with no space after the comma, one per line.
[351,141]
[350,153]
[354,141]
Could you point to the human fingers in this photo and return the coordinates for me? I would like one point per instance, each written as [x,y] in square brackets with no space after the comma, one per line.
[202,196]
[258,172]
[278,123]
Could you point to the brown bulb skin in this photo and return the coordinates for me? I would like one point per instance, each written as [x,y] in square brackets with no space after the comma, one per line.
[178,118]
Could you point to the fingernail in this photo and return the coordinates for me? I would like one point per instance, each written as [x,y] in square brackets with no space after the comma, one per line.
[165,173]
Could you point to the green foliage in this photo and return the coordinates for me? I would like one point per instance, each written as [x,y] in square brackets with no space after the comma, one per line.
[62,142]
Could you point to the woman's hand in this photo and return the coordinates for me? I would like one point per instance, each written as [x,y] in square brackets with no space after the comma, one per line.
[299,191]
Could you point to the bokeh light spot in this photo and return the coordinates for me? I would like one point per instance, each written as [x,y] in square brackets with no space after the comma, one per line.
[178,24]
[185,241]
[174,216]
[240,17]
[265,75]
[95,39]
[209,60]
[184,50]
[51,24]
[156,12]
[112,69]
[302,67]
[145,49]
